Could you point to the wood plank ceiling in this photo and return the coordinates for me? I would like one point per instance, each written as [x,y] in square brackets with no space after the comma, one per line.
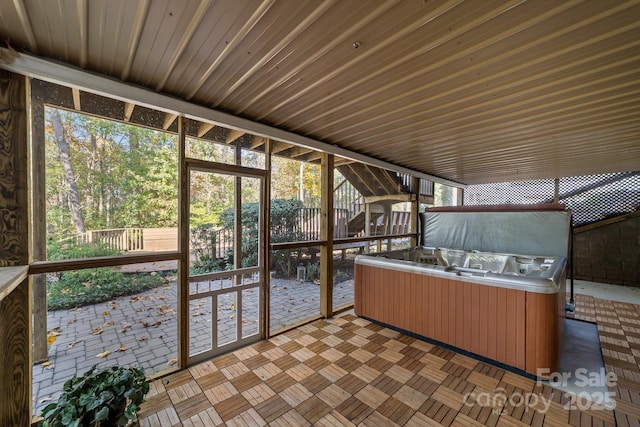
[472,91]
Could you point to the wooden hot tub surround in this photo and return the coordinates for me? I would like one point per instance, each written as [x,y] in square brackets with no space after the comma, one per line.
[515,327]
[467,287]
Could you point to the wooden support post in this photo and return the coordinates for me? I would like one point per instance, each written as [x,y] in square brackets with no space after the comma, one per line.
[15,308]
[556,190]
[415,211]
[38,227]
[266,238]
[237,231]
[326,234]
[183,247]
[367,223]
[388,219]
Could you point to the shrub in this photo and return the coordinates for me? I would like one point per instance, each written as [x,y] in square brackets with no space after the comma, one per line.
[75,288]
[203,245]
[284,219]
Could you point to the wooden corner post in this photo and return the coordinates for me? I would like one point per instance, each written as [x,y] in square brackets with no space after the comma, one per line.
[326,234]
[15,304]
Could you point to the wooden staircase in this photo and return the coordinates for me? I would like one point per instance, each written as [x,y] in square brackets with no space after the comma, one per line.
[377,187]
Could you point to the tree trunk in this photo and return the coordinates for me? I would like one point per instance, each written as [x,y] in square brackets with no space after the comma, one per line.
[69,176]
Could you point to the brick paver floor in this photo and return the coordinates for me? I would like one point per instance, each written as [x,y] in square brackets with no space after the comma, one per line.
[141,330]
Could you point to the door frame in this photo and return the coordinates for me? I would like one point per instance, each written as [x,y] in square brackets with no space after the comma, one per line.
[236,171]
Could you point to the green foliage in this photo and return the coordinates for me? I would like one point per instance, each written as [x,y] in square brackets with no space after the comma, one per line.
[126,175]
[313,271]
[62,250]
[284,228]
[107,397]
[203,245]
[289,177]
[75,288]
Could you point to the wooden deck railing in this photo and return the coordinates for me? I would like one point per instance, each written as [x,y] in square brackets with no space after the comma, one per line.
[307,228]
[119,239]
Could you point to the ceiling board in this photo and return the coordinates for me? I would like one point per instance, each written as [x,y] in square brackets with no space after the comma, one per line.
[473,92]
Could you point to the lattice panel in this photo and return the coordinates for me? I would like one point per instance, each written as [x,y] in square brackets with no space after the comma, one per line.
[597,197]
[591,198]
[514,193]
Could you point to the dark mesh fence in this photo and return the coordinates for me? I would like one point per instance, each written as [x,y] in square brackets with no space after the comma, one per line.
[591,198]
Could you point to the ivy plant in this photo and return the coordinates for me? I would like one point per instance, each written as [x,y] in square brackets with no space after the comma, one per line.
[105,397]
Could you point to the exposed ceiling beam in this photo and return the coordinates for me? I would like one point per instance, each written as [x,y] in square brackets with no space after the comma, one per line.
[75,92]
[316,156]
[233,135]
[128,110]
[279,147]
[258,141]
[341,161]
[168,120]
[204,128]
[299,151]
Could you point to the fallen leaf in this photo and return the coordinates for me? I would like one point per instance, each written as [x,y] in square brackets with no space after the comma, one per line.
[161,297]
[148,325]
[46,399]
[153,273]
[105,313]
[143,338]
[109,323]
[172,362]
[165,309]
[103,354]
[125,326]
[73,343]
[97,330]
[122,347]
[76,310]
[51,339]
[231,316]
[113,305]
[72,321]
[200,313]
[45,363]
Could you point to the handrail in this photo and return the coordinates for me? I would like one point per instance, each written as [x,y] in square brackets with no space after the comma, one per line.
[54,266]
[346,196]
